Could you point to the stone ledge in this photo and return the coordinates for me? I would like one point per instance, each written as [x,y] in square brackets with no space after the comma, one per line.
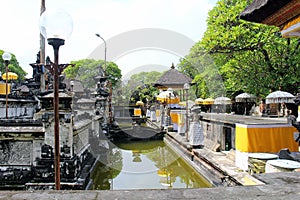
[270,192]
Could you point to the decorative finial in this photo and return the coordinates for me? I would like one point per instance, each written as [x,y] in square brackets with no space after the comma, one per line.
[172,67]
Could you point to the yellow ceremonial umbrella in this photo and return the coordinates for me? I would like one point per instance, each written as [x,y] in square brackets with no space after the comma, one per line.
[199,101]
[139,103]
[10,76]
[208,101]
[183,103]
[168,97]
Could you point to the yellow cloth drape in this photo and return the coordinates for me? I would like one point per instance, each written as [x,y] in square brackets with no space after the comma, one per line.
[174,117]
[3,88]
[158,112]
[265,138]
[137,112]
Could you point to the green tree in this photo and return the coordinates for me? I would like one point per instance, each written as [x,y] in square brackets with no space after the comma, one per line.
[199,65]
[250,57]
[139,87]
[86,70]
[12,67]
[146,77]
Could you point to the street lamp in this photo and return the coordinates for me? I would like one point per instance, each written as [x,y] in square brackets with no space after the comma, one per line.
[104,51]
[186,87]
[56,27]
[6,57]
[108,83]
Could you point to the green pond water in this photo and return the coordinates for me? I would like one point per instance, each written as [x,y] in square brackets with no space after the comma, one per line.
[144,165]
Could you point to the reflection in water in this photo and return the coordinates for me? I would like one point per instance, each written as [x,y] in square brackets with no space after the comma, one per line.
[144,165]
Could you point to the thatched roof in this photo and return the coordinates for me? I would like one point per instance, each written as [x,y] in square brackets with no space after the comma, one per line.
[172,79]
[259,10]
[284,14]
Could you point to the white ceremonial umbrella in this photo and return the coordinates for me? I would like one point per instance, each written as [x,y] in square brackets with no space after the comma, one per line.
[222,100]
[245,97]
[280,97]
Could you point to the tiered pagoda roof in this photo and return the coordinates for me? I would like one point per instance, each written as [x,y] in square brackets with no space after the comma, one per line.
[172,79]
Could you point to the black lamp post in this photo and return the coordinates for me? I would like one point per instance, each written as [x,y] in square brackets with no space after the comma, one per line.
[56,27]
[6,57]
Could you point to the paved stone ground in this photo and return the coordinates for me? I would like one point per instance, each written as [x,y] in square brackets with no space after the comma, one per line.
[285,186]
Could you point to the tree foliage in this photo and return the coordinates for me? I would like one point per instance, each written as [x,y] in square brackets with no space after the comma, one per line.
[12,67]
[249,57]
[207,82]
[146,77]
[139,87]
[86,70]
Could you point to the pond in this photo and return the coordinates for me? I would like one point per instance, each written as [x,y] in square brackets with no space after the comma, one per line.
[144,165]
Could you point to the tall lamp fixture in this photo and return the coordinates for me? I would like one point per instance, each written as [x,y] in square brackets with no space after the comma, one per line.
[98,35]
[109,82]
[6,57]
[186,87]
[56,27]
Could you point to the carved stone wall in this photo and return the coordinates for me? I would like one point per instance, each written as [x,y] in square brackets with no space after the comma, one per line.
[17,110]
[15,152]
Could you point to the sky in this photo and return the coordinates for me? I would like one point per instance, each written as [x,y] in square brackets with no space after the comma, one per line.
[110,18]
